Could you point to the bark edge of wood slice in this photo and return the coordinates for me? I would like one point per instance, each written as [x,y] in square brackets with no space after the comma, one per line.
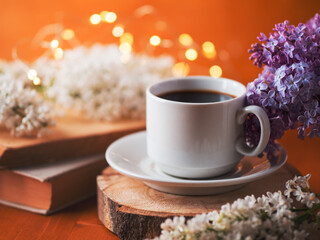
[132,210]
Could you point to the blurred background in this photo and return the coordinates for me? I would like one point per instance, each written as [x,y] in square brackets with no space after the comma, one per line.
[232,26]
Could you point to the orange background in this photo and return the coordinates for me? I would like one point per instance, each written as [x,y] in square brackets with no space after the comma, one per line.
[231,25]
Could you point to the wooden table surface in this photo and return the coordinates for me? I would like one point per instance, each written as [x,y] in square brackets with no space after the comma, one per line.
[81,221]
[77,222]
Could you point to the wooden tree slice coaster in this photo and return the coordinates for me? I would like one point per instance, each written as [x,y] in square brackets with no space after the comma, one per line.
[132,210]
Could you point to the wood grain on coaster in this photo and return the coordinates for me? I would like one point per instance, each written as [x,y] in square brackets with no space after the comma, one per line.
[132,210]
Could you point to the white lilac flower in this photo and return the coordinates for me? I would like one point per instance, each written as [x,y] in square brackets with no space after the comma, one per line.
[263,202]
[267,217]
[276,199]
[97,81]
[22,110]
[299,187]
[197,223]
[302,181]
[310,199]
[290,185]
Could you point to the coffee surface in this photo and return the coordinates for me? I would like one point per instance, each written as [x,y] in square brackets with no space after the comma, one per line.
[195,96]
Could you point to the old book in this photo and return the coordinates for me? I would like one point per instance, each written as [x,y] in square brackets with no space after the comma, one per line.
[49,187]
[73,136]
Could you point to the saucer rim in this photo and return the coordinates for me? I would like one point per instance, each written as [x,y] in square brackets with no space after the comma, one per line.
[192,182]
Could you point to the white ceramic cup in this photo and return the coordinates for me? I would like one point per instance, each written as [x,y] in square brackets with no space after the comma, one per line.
[200,140]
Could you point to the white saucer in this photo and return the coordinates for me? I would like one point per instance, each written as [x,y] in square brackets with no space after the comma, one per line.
[128,156]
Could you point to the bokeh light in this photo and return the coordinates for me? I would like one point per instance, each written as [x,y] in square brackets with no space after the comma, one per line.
[155,40]
[110,17]
[208,50]
[185,40]
[215,71]
[54,43]
[117,31]
[103,15]
[32,74]
[67,34]
[95,19]
[36,81]
[126,37]
[58,53]
[208,46]
[191,54]
[180,69]
[125,48]
[210,55]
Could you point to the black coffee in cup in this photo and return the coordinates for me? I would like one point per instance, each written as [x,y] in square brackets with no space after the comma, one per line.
[196,96]
[195,125]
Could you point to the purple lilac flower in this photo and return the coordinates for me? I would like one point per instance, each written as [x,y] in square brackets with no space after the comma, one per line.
[288,88]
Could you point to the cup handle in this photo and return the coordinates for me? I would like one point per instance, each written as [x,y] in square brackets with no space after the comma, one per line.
[241,145]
